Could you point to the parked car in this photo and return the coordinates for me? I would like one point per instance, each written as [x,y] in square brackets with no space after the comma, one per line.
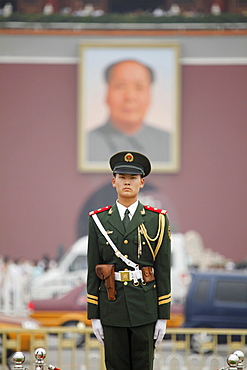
[70,309]
[18,322]
[216,300]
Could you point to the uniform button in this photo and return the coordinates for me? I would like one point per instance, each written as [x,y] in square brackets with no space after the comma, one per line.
[154,286]
[125,283]
[126,241]
[125,269]
[126,257]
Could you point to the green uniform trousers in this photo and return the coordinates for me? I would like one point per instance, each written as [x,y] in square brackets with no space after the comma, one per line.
[129,348]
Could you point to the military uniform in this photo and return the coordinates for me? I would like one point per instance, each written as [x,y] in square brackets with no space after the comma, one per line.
[140,304]
[146,242]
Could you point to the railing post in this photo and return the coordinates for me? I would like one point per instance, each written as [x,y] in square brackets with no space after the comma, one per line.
[240,355]
[40,355]
[232,361]
[19,359]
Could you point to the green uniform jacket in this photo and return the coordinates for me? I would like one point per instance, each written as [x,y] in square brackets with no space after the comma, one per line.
[134,305]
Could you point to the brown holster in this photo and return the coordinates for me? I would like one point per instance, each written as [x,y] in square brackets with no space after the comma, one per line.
[147,274]
[107,274]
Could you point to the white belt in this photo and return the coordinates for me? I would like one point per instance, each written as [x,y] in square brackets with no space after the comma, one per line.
[129,275]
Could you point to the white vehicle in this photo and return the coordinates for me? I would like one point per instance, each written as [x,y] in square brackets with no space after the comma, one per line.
[180,274]
[70,272]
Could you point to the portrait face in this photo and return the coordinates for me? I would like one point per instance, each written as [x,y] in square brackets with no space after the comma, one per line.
[128,95]
[127,186]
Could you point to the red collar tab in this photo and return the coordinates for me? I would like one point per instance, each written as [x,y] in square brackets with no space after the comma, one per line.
[157,210]
[99,210]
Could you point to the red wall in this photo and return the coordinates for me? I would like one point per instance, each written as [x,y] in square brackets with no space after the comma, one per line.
[42,193]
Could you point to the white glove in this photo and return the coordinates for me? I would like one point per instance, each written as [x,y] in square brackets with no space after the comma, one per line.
[159,331]
[98,330]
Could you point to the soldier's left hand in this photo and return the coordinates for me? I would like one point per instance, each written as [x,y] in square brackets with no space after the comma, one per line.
[159,331]
[98,330]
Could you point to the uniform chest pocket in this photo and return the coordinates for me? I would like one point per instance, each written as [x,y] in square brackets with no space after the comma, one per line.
[105,250]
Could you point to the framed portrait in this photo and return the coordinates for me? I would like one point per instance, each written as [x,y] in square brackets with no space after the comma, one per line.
[129,100]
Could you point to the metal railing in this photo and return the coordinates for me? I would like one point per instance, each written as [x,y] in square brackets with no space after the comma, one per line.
[175,352]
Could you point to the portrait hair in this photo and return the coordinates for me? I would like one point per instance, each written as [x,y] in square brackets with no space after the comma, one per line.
[109,69]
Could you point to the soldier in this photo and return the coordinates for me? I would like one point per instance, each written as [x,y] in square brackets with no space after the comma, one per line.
[129,270]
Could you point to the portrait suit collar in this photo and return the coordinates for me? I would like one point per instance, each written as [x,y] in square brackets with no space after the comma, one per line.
[112,136]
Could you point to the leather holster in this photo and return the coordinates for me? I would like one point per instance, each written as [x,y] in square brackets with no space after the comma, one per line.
[147,274]
[107,274]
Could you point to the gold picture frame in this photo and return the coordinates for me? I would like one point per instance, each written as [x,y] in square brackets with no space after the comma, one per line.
[159,137]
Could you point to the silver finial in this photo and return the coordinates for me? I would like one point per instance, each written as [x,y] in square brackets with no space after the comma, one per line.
[40,355]
[232,361]
[240,355]
[18,358]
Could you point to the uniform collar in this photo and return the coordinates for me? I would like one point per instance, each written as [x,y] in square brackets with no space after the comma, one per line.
[121,209]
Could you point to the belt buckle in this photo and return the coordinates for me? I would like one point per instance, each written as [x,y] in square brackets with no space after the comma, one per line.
[125,275]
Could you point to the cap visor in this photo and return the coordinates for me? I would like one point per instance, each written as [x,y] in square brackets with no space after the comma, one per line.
[128,170]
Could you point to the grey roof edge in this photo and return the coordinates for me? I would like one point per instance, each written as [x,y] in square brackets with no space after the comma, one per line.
[122,26]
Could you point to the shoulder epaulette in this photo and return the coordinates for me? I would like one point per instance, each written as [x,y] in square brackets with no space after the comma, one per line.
[157,210]
[99,210]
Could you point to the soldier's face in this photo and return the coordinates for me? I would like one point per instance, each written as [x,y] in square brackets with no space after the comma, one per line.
[128,95]
[127,186]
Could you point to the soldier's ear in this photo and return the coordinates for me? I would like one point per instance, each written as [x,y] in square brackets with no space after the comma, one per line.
[113,181]
[142,182]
